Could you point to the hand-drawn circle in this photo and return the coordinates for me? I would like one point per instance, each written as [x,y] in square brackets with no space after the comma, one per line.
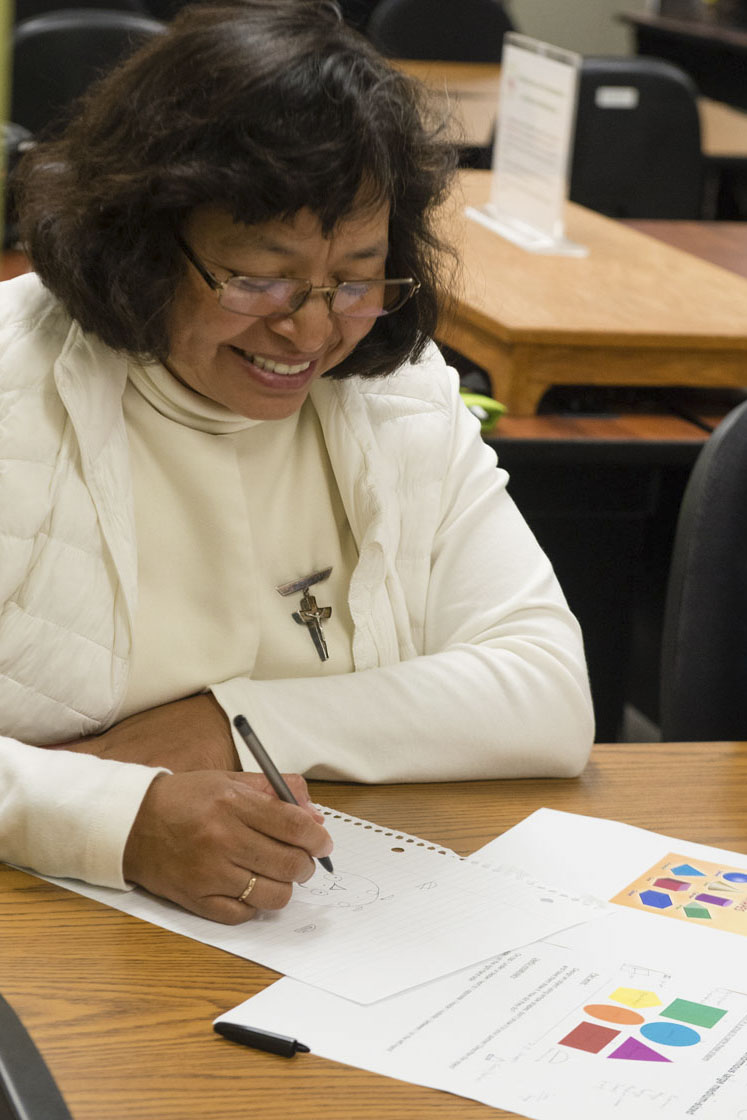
[341,889]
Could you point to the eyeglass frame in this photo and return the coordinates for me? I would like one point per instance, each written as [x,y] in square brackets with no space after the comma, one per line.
[328,291]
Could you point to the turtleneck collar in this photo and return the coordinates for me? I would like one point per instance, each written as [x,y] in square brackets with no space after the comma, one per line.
[177,402]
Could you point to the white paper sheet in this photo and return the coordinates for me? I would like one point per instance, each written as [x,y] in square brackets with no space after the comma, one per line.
[396,912]
[628,1018]
[659,875]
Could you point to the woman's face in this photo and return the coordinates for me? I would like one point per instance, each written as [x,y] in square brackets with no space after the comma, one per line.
[242,362]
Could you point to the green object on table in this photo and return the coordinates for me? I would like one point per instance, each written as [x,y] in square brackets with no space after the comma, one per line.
[487,411]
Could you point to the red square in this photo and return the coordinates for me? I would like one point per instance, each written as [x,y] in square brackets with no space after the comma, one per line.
[589,1037]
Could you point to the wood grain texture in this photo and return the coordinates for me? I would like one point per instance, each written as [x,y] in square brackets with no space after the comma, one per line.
[721,243]
[122,1010]
[636,311]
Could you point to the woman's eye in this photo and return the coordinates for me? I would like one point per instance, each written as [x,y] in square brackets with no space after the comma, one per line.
[258,284]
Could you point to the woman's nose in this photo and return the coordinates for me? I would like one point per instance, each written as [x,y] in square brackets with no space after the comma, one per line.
[311,327]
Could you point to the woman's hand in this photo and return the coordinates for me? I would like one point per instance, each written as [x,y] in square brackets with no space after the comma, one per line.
[200,838]
[191,734]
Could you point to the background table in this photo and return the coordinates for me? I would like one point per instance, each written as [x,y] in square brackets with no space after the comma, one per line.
[122,1010]
[471,91]
[634,312]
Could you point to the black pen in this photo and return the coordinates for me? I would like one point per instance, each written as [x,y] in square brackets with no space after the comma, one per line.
[270,771]
[261,1040]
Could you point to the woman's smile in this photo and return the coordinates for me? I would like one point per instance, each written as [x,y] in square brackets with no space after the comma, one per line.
[263,368]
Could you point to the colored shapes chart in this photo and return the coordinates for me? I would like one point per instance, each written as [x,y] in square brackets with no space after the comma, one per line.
[701,892]
[657,899]
[713,900]
[670,1034]
[589,1037]
[672,884]
[696,911]
[699,1014]
[672,1027]
[635,997]
[614,1014]
[735,876]
[687,869]
[635,1051]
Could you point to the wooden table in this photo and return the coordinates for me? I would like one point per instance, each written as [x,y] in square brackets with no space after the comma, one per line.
[122,1010]
[634,312]
[470,90]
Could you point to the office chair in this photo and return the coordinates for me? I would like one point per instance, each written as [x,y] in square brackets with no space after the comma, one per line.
[704,642]
[448,30]
[27,9]
[637,147]
[57,56]
[27,1089]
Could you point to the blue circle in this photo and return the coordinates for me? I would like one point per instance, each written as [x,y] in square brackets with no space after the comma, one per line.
[735,877]
[670,1034]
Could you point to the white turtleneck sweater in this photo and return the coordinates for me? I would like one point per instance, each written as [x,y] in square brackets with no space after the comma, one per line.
[227,509]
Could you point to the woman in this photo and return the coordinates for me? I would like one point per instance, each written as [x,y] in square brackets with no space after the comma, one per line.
[238,477]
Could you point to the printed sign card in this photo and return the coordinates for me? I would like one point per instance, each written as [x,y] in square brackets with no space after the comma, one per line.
[534,138]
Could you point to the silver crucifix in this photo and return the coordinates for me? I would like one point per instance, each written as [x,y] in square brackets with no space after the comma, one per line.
[309,614]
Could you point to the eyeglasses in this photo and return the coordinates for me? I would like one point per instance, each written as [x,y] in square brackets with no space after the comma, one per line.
[265,297]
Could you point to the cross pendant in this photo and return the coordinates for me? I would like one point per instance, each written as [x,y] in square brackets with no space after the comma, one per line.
[309,614]
[313,616]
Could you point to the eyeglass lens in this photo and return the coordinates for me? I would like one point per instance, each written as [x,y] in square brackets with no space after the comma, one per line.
[263,296]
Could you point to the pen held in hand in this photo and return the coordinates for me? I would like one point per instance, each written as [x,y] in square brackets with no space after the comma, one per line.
[270,771]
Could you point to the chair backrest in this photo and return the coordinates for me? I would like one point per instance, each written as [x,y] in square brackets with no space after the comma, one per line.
[27,9]
[58,55]
[704,643]
[448,30]
[637,150]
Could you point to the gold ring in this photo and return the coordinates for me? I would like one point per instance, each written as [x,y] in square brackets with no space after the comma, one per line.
[247,889]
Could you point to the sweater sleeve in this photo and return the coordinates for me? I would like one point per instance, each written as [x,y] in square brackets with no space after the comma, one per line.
[500,689]
[68,814]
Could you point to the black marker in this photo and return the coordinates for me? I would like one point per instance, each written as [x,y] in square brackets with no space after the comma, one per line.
[261,1040]
[270,771]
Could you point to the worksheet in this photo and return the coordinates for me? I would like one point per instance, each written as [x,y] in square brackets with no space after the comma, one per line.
[396,912]
[659,875]
[627,1017]
[578,1026]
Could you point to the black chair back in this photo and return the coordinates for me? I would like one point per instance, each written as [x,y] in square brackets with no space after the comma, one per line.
[448,30]
[704,643]
[27,9]
[58,55]
[637,147]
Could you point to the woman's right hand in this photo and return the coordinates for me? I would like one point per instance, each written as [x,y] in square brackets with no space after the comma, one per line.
[201,836]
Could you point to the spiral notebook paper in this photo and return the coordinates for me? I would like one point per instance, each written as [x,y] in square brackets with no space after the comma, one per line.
[396,912]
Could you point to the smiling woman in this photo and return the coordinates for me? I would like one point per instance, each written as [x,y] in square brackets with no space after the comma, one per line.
[236,475]
[248,351]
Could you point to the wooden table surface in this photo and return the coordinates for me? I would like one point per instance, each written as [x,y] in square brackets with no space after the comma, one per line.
[122,1010]
[635,311]
[471,89]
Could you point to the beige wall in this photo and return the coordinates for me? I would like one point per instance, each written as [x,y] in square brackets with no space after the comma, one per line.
[587,26]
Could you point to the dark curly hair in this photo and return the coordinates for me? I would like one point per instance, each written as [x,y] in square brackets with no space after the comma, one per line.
[260,107]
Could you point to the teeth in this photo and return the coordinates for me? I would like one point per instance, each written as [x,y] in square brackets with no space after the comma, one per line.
[278,367]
